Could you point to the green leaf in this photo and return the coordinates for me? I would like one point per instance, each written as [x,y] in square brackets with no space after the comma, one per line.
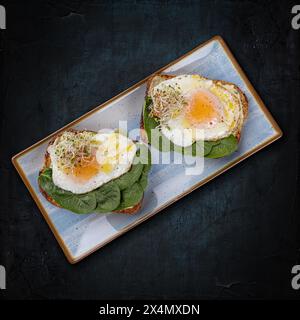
[78,203]
[143,181]
[108,197]
[208,145]
[150,123]
[223,148]
[141,163]
[129,178]
[131,196]
[143,156]
[45,180]
[155,137]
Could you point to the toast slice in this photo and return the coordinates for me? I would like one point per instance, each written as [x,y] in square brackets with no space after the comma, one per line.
[158,78]
[47,164]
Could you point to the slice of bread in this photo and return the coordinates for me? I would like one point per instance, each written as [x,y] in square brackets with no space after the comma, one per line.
[47,164]
[158,78]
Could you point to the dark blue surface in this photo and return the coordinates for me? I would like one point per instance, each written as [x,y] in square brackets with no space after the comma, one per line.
[236,237]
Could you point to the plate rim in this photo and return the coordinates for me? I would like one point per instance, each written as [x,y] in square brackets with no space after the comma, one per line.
[278,134]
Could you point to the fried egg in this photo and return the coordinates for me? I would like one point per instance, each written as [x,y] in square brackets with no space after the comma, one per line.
[192,108]
[84,161]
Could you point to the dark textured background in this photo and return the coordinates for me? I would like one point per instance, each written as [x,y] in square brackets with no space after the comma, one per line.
[236,237]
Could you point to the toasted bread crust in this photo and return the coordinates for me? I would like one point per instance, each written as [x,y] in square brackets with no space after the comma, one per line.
[47,163]
[243,97]
[157,78]
[131,210]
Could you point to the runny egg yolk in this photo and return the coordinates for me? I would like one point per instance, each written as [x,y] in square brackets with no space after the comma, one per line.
[201,108]
[102,159]
[86,169]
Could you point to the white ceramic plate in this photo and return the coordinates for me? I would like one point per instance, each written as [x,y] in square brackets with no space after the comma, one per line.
[80,235]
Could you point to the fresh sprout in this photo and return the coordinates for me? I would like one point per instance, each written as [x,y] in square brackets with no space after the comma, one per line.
[75,149]
[167,103]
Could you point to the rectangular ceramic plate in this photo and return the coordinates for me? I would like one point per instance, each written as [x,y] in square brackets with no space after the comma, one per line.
[80,235]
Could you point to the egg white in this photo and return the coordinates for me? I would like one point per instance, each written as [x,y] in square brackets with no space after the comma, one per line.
[230,110]
[120,160]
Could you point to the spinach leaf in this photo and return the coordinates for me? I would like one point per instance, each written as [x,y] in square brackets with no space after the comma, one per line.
[225,147]
[150,126]
[129,178]
[150,123]
[131,196]
[108,197]
[141,163]
[45,180]
[208,145]
[143,181]
[210,149]
[78,203]
[143,156]
[198,148]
